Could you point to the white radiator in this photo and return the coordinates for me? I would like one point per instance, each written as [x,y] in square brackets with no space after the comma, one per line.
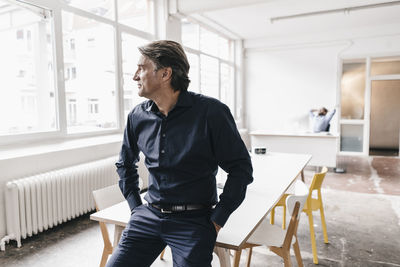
[39,202]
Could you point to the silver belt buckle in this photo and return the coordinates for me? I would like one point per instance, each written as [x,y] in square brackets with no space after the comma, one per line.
[165,211]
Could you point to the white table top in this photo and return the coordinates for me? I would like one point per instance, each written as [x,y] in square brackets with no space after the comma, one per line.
[295,134]
[273,174]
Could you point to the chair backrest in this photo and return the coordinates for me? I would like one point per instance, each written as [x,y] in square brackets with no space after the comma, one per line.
[104,198]
[295,204]
[107,196]
[328,128]
[300,194]
[318,179]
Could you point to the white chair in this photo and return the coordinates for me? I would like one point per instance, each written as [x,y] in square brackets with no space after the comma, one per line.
[105,198]
[279,240]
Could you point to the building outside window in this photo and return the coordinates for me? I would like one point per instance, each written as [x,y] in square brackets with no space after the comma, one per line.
[33,91]
[27,103]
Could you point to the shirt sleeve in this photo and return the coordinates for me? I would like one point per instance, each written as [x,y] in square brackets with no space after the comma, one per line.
[311,114]
[233,157]
[329,116]
[127,167]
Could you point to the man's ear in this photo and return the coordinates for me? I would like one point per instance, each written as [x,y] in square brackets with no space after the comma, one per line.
[167,73]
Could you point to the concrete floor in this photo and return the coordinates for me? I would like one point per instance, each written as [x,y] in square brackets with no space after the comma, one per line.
[362,208]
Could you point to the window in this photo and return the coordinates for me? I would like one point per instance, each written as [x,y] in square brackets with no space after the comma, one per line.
[71,111]
[137,14]
[210,55]
[190,34]
[104,8]
[130,58]
[72,44]
[194,85]
[98,71]
[227,85]
[93,106]
[208,42]
[27,103]
[20,34]
[96,77]
[73,73]
[209,81]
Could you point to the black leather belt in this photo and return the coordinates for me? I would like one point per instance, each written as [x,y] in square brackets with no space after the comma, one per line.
[178,208]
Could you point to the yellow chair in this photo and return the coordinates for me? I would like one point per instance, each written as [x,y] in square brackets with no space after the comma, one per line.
[312,204]
[281,203]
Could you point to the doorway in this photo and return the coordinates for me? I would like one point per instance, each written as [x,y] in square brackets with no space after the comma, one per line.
[385,118]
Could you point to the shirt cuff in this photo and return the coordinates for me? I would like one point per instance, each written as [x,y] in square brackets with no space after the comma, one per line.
[134,200]
[220,215]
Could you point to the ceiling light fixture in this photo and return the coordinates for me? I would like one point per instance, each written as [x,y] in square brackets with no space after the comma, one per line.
[345,10]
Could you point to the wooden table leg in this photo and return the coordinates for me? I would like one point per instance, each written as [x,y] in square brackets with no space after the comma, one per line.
[236,258]
[223,255]
[117,235]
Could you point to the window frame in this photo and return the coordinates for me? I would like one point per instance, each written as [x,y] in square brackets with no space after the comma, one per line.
[55,8]
[231,62]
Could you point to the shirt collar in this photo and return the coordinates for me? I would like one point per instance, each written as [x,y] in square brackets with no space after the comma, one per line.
[184,100]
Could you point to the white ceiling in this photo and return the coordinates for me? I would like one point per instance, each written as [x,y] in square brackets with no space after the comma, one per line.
[251,19]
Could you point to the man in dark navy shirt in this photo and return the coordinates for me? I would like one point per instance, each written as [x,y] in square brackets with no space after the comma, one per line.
[184,137]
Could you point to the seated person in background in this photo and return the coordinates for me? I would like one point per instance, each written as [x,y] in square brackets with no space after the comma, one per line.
[320,122]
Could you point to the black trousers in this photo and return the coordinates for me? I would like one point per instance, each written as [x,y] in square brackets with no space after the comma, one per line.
[191,236]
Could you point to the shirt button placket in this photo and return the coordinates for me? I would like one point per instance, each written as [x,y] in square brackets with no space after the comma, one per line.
[162,141]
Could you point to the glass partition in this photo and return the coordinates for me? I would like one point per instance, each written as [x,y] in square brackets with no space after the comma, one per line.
[385,66]
[351,138]
[353,91]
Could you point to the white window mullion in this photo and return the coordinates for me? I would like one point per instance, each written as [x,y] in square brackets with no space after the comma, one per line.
[219,80]
[234,82]
[199,74]
[59,67]
[135,32]
[118,72]
[367,106]
[200,85]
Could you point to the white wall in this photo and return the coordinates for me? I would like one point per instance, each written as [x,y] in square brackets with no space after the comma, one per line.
[283,85]
[285,78]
